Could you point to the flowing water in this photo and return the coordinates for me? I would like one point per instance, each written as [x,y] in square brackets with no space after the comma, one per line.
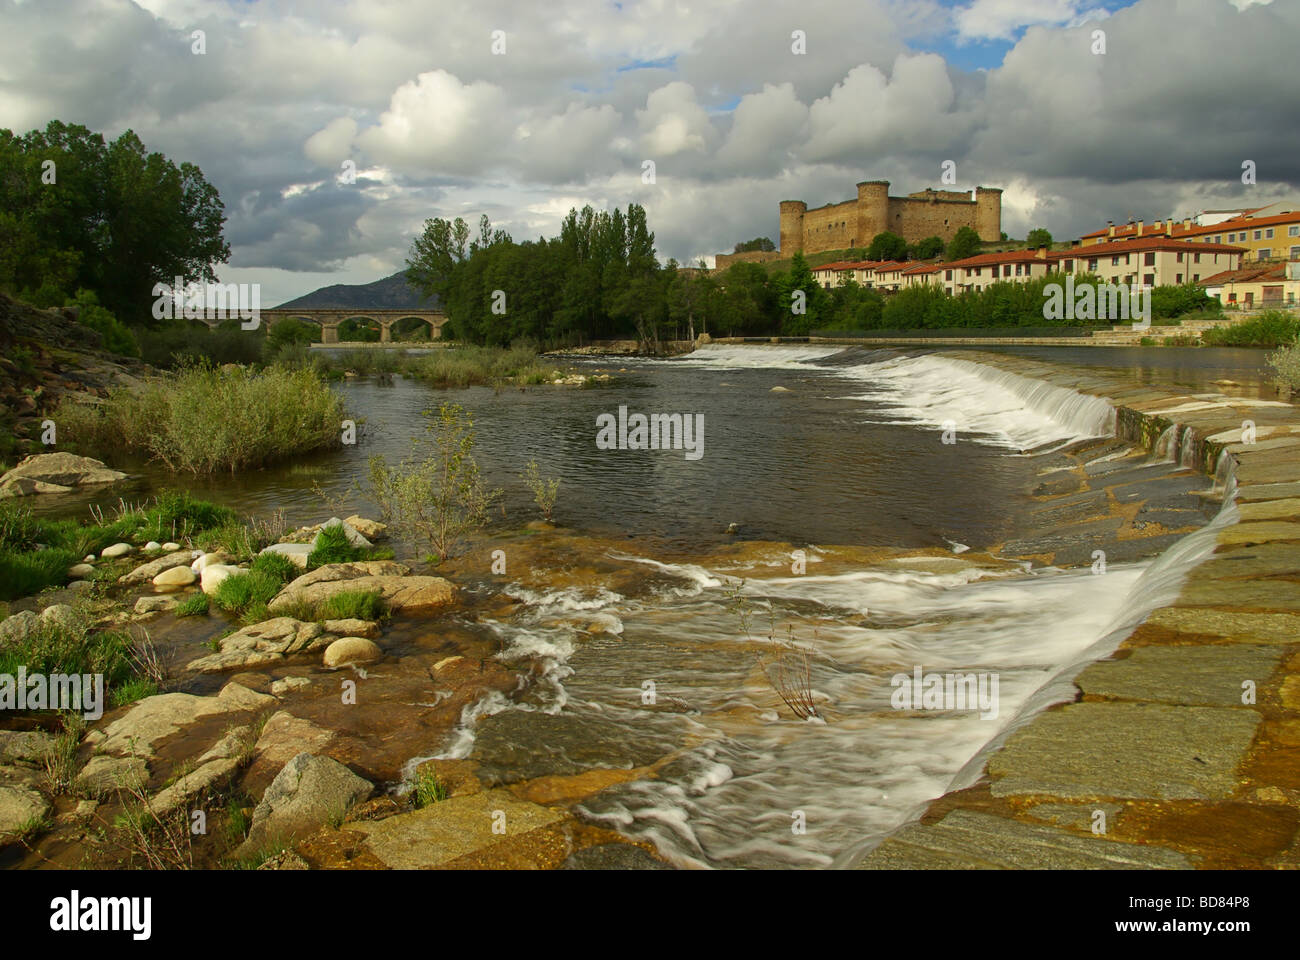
[664,674]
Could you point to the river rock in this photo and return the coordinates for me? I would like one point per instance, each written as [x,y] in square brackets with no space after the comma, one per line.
[20,807]
[153,545]
[170,545]
[352,627]
[193,785]
[371,529]
[214,575]
[303,797]
[156,604]
[391,580]
[354,538]
[80,586]
[55,473]
[30,746]
[244,698]
[175,578]
[105,774]
[204,560]
[351,650]
[80,571]
[153,719]
[115,551]
[289,684]
[264,642]
[19,627]
[296,552]
[60,615]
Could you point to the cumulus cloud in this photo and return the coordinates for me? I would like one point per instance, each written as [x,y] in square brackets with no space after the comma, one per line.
[764,128]
[672,122]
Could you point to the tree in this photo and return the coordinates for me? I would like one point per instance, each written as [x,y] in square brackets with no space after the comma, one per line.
[112,218]
[802,301]
[762,244]
[887,246]
[1038,238]
[927,248]
[965,243]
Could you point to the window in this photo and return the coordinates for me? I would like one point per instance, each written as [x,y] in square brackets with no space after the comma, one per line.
[1295,253]
[1268,234]
[1257,235]
[1149,259]
[947,274]
[1195,277]
[1265,253]
[1069,266]
[1114,261]
[1092,265]
[1178,278]
[1196,258]
[1293,231]
[1218,238]
[1149,279]
[1006,270]
[1232,298]
[1020,269]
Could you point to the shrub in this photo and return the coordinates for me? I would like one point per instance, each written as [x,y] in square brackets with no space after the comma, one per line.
[205,419]
[1272,328]
[544,489]
[439,498]
[277,565]
[1286,362]
[117,338]
[22,574]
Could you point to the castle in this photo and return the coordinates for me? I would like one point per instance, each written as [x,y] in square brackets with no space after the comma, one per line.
[853,223]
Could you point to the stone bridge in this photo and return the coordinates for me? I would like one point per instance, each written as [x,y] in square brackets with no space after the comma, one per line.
[330,319]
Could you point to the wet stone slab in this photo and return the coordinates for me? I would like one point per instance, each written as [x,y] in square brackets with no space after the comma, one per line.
[1198,676]
[1259,560]
[1270,595]
[1126,750]
[965,840]
[1229,624]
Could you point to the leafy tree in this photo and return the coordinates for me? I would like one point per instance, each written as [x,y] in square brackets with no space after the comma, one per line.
[117,338]
[762,244]
[79,213]
[965,243]
[1038,237]
[887,246]
[927,248]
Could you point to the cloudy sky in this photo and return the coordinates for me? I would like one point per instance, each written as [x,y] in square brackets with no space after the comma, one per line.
[580,93]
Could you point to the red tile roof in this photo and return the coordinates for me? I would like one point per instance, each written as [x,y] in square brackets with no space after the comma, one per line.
[1272,271]
[1244,222]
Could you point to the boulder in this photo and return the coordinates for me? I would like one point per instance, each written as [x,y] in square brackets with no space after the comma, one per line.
[354,538]
[108,774]
[153,545]
[80,571]
[175,578]
[285,736]
[370,529]
[351,627]
[80,586]
[390,580]
[20,808]
[19,627]
[153,719]
[64,470]
[60,615]
[26,487]
[159,604]
[305,795]
[170,545]
[115,551]
[296,552]
[244,698]
[351,650]
[264,642]
[193,785]
[147,571]
[213,575]
[202,560]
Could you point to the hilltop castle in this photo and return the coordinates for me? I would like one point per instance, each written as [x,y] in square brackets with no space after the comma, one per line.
[853,223]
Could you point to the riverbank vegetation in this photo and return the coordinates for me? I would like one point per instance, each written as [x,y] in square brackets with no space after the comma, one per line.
[1272,328]
[204,420]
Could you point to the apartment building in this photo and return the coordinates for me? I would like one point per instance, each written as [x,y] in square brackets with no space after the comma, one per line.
[1258,285]
[1265,233]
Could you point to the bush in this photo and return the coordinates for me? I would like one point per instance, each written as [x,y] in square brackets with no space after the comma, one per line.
[204,419]
[1272,328]
[1176,301]
[276,565]
[117,338]
[1286,362]
[22,574]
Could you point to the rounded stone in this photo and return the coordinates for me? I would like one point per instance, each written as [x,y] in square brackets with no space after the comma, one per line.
[347,650]
[213,575]
[153,545]
[116,550]
[170,547]
[174,578]
[80,571]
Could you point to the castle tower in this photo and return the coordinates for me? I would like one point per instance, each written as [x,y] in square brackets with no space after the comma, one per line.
[792,212]
[988,213]
[873,210]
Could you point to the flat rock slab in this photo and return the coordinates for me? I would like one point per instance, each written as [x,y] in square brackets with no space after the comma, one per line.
[1270,509]
[1209,675]
[1143,751]
[266,642]
[1228,624]
[1269,595]
[1260,560]
[392,581]
[452,828]
[967,840]
[153,719]
[20,808]
[1262,531]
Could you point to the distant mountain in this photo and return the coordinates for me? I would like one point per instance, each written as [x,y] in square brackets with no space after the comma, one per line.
[389,293]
